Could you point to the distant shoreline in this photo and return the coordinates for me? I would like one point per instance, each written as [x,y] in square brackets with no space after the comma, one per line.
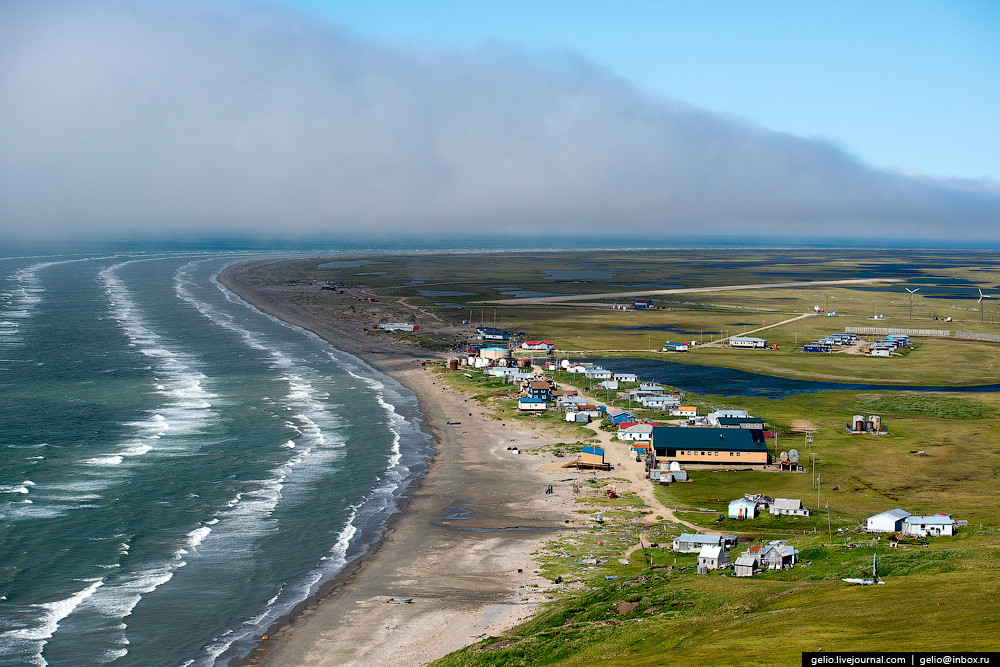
[455,596]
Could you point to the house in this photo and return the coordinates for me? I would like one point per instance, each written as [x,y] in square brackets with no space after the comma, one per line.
[716,446]
[626,377]
[780,557]
[651,387]
[636,432]
[924,526]
[712,557]
[746,565]
[530,404]
[539,389]
[619,416]
[714,416]
[740,422]
[546,346]
[572,402]
[597,374]
[689,543]
[608,384]
[685,411]
[742,508]
[495,353]
[659,402]
[747,341]
[640,304]
[578,417]
[674,347]
[788,506]
[890,521]
[576,368]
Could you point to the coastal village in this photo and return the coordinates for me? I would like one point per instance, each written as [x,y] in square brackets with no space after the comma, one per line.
[646,429]
[715,517]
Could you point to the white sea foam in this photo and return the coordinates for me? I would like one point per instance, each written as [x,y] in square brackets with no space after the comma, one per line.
[197,536]
[52,613]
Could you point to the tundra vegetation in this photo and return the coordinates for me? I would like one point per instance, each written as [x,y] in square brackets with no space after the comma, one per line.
[941,452]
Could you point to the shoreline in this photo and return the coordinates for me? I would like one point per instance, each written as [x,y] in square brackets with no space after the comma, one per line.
[460,543]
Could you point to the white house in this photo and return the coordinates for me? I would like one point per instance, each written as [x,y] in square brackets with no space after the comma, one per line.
[747,341]
[742,509]
[923,526]
[890,521]
[685,411]
[598,374]
[626,377]
[576,368]
[637,432]
[714,416]
[690,543]
[713,557]
[530,404]
[609,384]
[651,387]
[543,345]
[788,506]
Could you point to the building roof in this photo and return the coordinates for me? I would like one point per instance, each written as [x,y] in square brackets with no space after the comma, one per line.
[710,551]
[787,504]
[710,439]
[700,539]
[538,342]
[747,559]
[735,421]
[614,412]
[637,428]
[539,384]
[935,520]
[531,400]
[894,514]
[743,501]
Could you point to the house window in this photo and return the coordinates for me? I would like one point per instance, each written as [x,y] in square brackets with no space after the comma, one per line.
[730,453]
[737,453]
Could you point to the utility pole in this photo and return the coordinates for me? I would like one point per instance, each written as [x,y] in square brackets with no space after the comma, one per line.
[829,528]
[817,490]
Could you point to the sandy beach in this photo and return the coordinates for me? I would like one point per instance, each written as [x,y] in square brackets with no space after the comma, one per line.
[461,546]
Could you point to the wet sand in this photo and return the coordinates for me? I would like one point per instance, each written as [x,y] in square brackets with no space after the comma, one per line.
[468,525]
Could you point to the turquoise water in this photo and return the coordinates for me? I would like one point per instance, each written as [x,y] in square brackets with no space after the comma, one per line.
[177,470]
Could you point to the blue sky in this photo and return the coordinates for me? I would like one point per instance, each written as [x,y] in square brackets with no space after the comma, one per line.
[913,86]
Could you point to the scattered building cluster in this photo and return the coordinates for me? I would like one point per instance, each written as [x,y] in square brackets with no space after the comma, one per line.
[831,341]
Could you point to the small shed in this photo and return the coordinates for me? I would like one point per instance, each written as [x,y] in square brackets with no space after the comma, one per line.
[742,509]
[890,521]
[746,565]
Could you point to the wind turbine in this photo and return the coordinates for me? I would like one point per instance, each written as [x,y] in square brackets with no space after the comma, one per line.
[979,303]
[911,291]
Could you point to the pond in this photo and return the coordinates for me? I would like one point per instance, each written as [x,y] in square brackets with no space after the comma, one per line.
[719,381]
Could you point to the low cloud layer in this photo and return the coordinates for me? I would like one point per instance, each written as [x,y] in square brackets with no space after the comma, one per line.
[172,118]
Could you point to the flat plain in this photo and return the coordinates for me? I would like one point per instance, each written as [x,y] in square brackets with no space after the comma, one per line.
[941,452]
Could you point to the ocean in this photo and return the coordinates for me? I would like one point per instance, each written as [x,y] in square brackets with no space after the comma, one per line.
[177,469]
